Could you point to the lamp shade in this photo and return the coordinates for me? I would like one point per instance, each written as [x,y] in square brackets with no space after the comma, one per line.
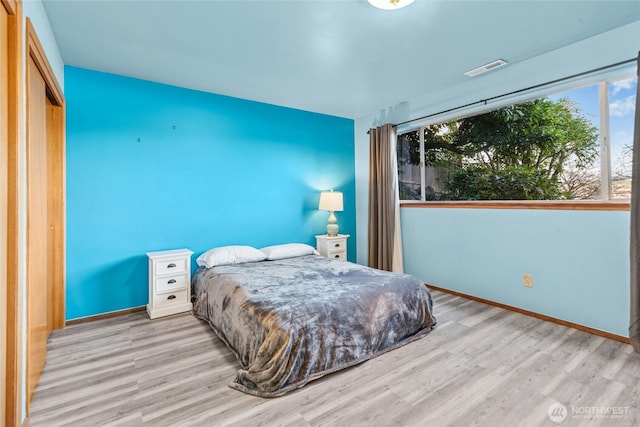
[331,201]
[390,4]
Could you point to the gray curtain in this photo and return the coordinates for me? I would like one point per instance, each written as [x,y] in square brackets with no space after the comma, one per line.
[385,241]
[634,325]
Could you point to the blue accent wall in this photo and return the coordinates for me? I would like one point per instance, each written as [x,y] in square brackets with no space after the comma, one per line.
[153,167]
[579,260]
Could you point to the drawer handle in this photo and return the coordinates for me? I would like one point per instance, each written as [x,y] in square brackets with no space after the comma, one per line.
[171,282]
[172,265]
[337,256]
[171,297]
[337,245]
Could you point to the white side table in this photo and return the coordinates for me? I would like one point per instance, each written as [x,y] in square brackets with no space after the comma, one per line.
[334,247]
[169,282]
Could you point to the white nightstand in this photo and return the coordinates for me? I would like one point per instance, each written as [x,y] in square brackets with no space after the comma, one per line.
[334,247]
[169,282]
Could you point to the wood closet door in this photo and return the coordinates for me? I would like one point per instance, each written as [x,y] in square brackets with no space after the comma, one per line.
[37,229]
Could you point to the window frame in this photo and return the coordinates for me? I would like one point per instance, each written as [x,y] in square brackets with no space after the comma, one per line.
[559,205]
[604,203]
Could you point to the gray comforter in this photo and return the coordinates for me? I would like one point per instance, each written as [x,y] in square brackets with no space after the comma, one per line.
[294,320]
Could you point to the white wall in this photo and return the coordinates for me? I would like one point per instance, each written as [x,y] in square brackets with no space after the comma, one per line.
[608,48]
[579,260]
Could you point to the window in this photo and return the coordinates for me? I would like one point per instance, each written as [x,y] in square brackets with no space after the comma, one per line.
[574,145]
[622,100]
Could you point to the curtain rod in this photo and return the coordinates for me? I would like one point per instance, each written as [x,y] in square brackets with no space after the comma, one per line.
[493,98]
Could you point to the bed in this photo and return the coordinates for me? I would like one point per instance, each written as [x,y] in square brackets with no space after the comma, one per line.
[292,319]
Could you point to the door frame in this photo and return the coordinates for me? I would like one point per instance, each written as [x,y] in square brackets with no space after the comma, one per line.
[12,361]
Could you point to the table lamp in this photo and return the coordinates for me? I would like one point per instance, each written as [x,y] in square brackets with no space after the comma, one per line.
[331,201]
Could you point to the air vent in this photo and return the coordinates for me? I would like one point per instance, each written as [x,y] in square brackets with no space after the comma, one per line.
[486,67]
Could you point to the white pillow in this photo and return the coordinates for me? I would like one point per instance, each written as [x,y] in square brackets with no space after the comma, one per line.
[288,250]
[225,255]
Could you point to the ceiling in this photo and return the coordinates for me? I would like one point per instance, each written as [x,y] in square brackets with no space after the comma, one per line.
[337,57]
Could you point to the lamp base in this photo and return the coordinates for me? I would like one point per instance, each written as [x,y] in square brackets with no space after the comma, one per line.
[332,229]
[332,226]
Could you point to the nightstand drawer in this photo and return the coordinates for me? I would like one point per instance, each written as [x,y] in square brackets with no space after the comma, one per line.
[167,283]
[178,265]
[337,245]
[342,255]
[171,298]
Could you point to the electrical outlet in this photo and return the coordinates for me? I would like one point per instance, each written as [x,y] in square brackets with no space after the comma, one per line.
[527,281]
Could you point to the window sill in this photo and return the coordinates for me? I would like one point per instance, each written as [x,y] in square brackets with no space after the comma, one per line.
[558,205]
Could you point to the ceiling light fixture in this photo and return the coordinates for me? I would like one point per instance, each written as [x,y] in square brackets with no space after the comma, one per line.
[390,4]
[486,67]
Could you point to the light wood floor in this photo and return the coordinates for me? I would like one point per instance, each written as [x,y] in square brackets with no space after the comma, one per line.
[482,365]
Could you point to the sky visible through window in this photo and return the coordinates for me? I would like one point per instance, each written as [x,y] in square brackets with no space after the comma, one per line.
[622,101]
[622,104]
